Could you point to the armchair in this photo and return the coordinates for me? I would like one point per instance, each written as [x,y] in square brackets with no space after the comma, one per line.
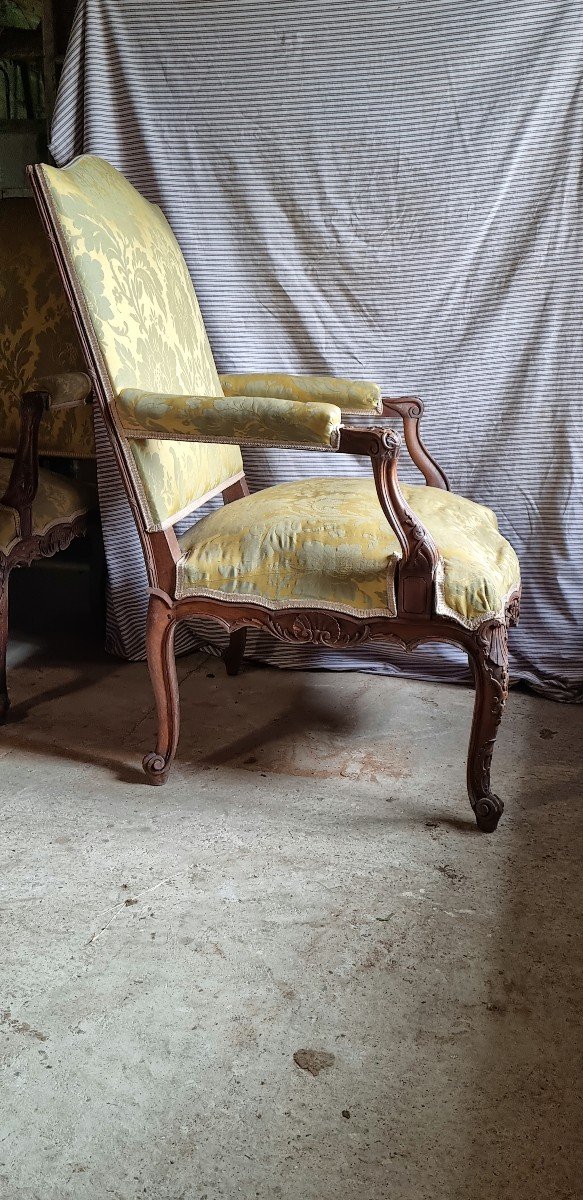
[331,561]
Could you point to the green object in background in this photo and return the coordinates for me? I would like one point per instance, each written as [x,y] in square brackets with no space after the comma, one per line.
[20,14]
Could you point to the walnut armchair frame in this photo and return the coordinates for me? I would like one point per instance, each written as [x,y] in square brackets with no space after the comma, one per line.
[50,394]
[416,619]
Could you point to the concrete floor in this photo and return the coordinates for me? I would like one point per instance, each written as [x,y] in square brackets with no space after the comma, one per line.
[310,880]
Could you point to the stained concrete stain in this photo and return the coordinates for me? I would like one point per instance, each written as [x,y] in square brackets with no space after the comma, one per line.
[451,873]
[17,1026]
[379,954]
[314,1061]
[307,758]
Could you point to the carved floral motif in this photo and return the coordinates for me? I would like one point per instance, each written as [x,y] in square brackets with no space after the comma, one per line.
[45,545]
[316,628]
[513,611]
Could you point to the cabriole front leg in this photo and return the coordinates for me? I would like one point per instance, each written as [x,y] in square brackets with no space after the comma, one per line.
[489,658]
[160,631]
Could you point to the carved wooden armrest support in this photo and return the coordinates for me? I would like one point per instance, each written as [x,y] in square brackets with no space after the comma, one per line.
[410,409]
[420,557]
[50,393]
[23,482]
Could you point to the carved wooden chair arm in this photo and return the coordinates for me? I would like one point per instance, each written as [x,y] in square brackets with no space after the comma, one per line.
[410,409]
[420,556]
[49,393]
[354,397]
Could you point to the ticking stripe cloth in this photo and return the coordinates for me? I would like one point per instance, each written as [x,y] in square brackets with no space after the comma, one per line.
[375,190]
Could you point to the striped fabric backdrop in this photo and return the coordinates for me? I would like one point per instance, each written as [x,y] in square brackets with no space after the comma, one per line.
[379,190]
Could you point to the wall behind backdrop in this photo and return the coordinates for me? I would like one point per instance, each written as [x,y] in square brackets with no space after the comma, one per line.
[379,190]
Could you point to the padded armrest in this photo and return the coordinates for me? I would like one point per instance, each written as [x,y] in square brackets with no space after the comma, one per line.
[242,420]
[64,391]
[351,396]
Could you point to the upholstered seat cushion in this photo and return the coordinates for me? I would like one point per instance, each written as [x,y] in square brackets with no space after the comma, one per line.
[59,499]
[326,543]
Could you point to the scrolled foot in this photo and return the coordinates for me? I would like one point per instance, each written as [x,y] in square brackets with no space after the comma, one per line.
[488,810]
[154,765]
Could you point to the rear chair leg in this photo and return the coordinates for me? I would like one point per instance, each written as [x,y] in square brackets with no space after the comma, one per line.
[489,660]
[233,655]
[162,667]
[4,701]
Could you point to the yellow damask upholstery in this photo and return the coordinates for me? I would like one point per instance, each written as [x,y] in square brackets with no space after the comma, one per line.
[59,499]
[37,335]
[352,396]
[326,543]
[146,324]
[251,420]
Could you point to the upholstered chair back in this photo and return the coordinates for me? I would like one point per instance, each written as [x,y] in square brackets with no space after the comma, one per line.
[37,334]
[146,328]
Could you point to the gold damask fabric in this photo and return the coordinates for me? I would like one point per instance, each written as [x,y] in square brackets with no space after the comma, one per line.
[59,499]
[240,419]
[350,395]
[37,335]
[146,322]
[326,543]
